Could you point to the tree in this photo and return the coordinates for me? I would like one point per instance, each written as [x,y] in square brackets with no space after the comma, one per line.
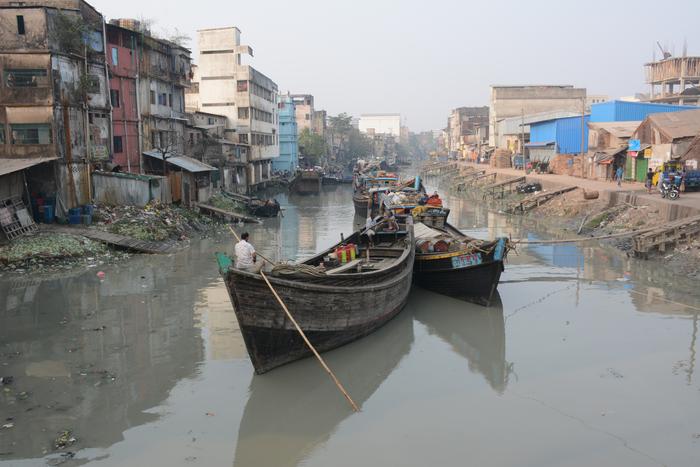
[311,146]
[166,145]
[340,127]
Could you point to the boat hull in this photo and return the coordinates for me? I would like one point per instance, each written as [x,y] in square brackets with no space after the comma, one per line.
[306,184]
[361,205]
[476,284]
[332,311]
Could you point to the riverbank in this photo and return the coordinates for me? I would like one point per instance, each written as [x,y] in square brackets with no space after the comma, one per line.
[616,210]
[48,252]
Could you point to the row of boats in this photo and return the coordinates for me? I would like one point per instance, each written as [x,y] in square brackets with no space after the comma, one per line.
[362,282]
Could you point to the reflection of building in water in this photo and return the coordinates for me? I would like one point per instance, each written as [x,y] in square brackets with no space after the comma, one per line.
[474,332]
[94,356]
[294,409]
[222,336]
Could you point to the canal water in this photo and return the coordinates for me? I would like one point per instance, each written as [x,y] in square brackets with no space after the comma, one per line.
[587,359]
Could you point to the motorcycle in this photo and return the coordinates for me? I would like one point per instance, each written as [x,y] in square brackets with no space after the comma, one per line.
[669,189]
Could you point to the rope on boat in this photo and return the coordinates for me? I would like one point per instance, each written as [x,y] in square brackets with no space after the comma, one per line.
[288,269]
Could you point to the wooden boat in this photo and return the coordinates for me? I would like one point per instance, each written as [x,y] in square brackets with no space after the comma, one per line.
[256,206]
[295,409]
[451,263]
[334,305]
[364,183]
[306,182]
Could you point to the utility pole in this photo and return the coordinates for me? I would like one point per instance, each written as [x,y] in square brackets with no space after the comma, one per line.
[522,135]
[584,165]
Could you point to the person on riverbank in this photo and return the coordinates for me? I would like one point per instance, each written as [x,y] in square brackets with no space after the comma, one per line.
[246,258]
[650,178]
[618,176]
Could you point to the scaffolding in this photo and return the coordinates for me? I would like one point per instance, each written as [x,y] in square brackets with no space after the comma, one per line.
[674,80]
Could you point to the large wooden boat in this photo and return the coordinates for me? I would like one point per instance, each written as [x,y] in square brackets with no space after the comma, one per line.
[451,263]
[334,305]
[363,183]
[306,182]
[256,206]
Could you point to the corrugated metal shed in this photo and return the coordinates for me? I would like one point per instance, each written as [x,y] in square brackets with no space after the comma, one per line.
[677,125]
[565,132]
[15,165]
[623,111]
[182,161]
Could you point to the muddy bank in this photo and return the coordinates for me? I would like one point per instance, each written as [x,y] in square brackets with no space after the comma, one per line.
[612,212]
[50,252]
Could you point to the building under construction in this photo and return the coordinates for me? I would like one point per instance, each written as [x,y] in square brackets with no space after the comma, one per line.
[674,80]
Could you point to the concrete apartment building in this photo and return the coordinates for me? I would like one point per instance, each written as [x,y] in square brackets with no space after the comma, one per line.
[54,99]
[381,124]
[462,126]
[511,101]
[288,161]
[246,97]
[304,111]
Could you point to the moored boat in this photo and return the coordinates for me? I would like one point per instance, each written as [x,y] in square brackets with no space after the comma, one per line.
[256,206]
[333,303]
[451,263]
[306,182]
[363,183]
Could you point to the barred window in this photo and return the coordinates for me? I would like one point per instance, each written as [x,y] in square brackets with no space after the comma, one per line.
[26,78]
[31,133]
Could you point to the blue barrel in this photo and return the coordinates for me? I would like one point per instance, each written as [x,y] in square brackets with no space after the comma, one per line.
[89,209]
[75,218]
[48,214]
[74,211]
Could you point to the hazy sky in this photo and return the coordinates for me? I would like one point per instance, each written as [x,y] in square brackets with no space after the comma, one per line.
[422,58]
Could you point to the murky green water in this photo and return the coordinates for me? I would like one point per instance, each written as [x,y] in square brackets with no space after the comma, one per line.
[588,360]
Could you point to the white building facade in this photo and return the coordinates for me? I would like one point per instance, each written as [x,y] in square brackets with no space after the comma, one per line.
[245,96]
[381,124]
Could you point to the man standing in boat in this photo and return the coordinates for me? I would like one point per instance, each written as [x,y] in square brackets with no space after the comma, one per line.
[246,258]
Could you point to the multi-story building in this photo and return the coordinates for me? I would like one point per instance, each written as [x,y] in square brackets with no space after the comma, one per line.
[318,125]
[245,96]
[462,127]
[124,65]
[288,161]
[674,80]
[304,105]
[381,124]
[54,100]
[511,101]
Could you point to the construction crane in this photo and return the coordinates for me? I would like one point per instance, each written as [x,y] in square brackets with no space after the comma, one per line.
[665,53]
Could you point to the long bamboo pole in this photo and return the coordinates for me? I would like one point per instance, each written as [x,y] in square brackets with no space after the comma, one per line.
[301,332]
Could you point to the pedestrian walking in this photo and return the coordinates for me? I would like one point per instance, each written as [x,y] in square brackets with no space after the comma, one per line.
[650,177]
[618,175]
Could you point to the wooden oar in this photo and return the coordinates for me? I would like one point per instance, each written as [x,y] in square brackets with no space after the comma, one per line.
[301,332]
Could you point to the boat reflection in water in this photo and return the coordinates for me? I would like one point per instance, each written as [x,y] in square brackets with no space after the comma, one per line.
[296,408]
[472,331]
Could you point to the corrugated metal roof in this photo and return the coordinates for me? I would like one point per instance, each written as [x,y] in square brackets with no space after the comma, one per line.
[8,166]
[625,111]
[617,129]
[182,161]
[678,125]
[693,151]
[547,116]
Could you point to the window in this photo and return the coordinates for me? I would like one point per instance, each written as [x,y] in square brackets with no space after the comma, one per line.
[153,97]
[243,112]
[2,133]
[31,133]
[210,120]
[20,25]
[170,100]
[307,117]
[115,56]
[93,84]
[26,78]
[243,138]
[117,144]
[162,99]
[114,97]
[241,86]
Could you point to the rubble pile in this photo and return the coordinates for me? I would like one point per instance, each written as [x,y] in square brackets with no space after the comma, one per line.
[51,252]
[154,222]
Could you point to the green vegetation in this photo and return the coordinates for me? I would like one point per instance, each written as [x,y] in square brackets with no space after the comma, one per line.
[311,146]
[48,246]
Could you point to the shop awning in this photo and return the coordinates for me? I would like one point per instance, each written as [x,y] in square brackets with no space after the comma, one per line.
[184,162]
[8,166]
